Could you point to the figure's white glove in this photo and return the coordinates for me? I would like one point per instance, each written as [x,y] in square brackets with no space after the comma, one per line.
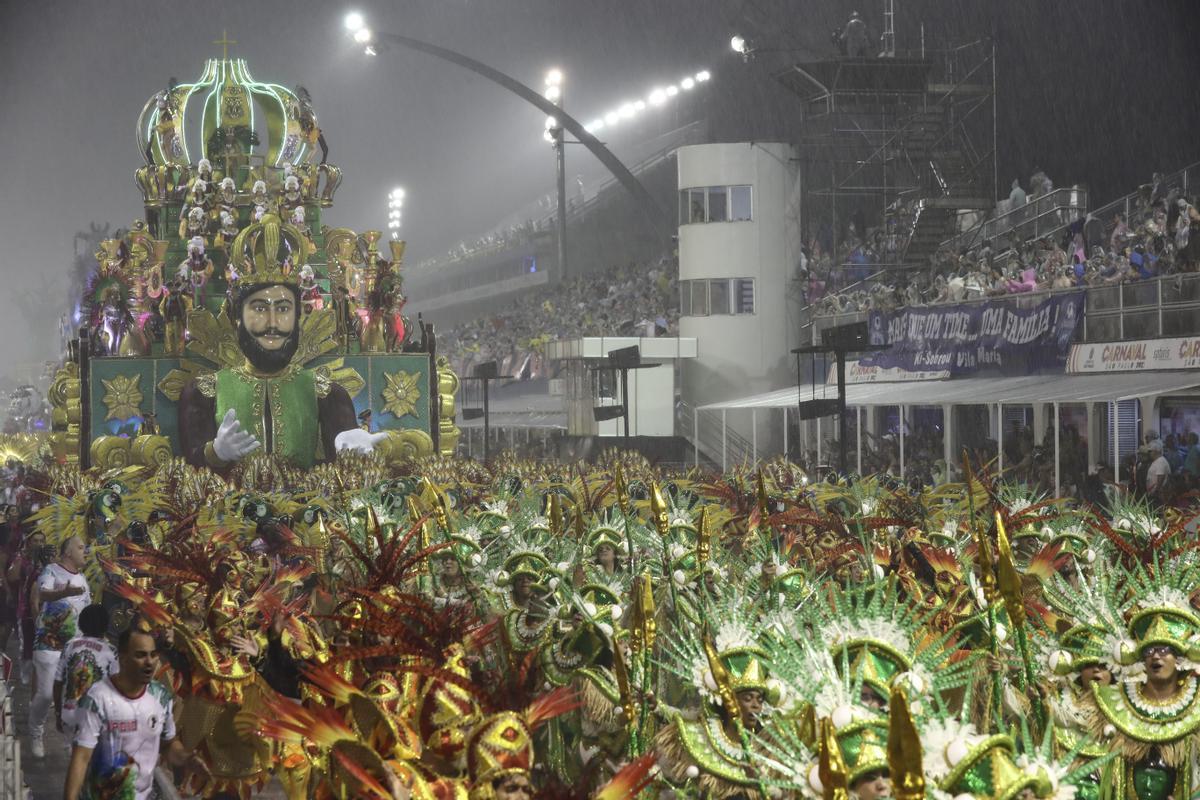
[233,443]
[358,440]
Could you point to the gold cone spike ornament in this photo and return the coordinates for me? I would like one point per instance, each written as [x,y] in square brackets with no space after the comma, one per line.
[831,769]
[904,750]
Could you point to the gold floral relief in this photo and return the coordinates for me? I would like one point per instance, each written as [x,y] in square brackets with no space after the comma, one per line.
[122,396]
[402,393]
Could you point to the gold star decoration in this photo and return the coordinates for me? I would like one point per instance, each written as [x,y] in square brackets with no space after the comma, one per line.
[402,393]
[122,396]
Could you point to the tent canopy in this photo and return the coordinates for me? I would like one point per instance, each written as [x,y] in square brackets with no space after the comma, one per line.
[1021,390]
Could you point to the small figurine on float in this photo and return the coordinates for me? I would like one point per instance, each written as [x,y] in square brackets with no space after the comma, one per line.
[345,315]
[166,130]
[174,307]
[258,194]
[227,196]
[196,269]
[204,172]
[310,292]
[227,231]
[200,193]
[302,112]
[293,196]
[298,219]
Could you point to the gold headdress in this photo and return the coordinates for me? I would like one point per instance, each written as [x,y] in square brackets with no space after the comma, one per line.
[270,251]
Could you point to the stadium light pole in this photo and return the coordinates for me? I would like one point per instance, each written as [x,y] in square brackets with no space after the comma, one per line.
[395,206]
[556,136]
[375,41]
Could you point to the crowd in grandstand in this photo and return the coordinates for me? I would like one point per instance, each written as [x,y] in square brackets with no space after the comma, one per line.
[1161,237]
[629,300]
[496,241]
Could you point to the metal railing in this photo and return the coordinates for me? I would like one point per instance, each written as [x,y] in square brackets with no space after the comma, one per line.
[12,783]
[1145,309]
[1149,309]
[1186,179]
[1046,216]
[1042,216]
[716,441]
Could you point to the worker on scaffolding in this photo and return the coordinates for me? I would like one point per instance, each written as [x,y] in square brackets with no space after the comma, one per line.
[854,42]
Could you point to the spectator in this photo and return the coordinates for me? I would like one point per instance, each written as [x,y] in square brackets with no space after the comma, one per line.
[1016,198]
[1093,232]
[62,592]
[1164,241]
[26,565]
[1120,233]
[1158,474]
[1191,462]
[1172,454]
[11,535]
[1040,185]
[854,37]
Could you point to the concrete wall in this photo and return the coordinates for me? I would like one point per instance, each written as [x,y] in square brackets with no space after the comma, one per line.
[744,354]
[651,391]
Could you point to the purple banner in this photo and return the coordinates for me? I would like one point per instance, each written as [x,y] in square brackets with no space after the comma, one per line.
[1011,334]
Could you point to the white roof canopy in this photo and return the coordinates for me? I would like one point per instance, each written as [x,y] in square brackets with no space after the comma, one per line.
[981,391]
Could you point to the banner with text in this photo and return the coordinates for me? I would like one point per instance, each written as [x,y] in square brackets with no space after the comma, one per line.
[1010,334]
[857,372]
[1136,355]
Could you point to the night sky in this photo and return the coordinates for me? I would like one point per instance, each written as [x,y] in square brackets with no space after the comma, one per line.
[1100,92]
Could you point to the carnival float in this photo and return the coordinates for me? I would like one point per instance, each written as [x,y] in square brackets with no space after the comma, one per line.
[233,166]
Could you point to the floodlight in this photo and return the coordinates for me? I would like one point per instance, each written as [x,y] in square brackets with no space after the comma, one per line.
[640,105]
[658,97]
[703,75]
[672,90]
[626,110]
[553,93]
[547,135]
[738,43]
[554,77]
[354,21]
[551,122]
[362,35]
[612,118]
[369,50]
[398,192]
[687,83]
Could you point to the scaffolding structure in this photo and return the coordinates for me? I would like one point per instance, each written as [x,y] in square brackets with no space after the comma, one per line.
[906,142]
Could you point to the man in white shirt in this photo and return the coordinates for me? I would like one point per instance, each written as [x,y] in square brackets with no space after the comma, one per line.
[86,660]
[123,723]
[1158,473]
[62,592]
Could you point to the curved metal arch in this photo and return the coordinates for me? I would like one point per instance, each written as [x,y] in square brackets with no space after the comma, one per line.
[651,209]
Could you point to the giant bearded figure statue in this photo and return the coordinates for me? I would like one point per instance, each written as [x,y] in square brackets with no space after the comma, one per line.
[269,401]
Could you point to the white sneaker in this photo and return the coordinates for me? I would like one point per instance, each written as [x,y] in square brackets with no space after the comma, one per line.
[37,748]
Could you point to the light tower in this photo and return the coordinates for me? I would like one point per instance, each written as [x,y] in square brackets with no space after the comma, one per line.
[555,135]
[395,204]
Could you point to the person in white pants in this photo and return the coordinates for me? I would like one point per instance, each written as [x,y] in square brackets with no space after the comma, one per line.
[62,592]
